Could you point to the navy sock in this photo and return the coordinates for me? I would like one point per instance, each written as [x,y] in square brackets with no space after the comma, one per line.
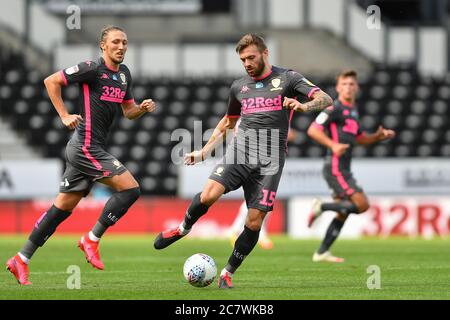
[28,249]
[242,248]
[99,229]
[345,207]
[118,205]
[332,233]
[46,225]
[194,212]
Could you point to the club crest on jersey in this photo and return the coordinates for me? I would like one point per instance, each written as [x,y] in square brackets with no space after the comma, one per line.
[123,78]
[309,82]
[276,84]
[244,89]
[219,171]
[117,164]
[259,85]
[72,70]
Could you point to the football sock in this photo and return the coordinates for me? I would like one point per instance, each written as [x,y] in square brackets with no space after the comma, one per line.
[225,271]
[331,235]
[242,247]
[27,251]
[43,229]
[116,207]
[194,212]
[97,231]
[93,237]
[183,230]
[345,207]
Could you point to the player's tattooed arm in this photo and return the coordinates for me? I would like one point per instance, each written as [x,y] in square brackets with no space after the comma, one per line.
[225,125]
[320,100]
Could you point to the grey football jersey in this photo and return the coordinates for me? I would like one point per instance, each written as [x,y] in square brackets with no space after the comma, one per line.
[264,121]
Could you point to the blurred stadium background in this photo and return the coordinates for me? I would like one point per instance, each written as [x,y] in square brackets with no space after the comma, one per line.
[181,54]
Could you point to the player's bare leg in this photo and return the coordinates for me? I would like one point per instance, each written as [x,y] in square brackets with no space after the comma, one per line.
[238,223]
[198,207]
[68,201]
[127,192]
[45,226]
[243,246]
[359,204]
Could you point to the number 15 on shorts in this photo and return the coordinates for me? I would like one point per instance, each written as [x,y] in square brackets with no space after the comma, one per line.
[268,198]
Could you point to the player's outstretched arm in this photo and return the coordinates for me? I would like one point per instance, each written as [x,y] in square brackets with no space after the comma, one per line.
[320,100]
[320,136]
[133,111]
[217,137]
[53,84]
[380,135]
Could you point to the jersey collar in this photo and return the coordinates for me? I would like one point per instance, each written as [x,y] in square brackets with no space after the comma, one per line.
[263,76]
[345,103]
[108,67]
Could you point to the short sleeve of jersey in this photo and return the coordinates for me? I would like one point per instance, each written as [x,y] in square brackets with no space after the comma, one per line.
[129,94]
[234,106]
[82,72]
[300,85]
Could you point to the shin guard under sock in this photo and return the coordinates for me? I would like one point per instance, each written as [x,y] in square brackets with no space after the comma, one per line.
[194,212]
[46,226]
[242,248]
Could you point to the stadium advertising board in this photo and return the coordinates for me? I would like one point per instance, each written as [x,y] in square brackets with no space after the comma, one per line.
[388,216]
[149,215]
[22,179]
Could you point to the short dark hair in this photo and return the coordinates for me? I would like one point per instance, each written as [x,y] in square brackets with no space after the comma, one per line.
[347,74]
[249,39]
[107,29]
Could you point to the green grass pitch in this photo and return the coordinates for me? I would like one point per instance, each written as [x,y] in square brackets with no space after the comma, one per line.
[410,269]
